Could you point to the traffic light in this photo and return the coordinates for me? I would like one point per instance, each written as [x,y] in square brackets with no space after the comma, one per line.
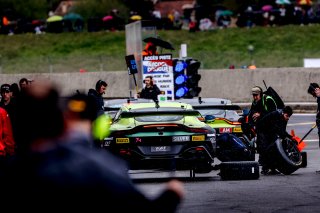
[193,78]
[179,78]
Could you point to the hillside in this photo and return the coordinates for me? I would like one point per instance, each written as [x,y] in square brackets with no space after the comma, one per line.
[69,52]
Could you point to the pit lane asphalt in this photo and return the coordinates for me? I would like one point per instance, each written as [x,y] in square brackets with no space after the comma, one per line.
[298,192]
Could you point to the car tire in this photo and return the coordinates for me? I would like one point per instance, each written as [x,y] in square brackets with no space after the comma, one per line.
[239,170]
[304,159]
[286,155]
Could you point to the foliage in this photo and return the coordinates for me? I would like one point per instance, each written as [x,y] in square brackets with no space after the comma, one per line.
[31,9]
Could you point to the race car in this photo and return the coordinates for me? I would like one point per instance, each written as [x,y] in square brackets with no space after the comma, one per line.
[223,116]
[162,135]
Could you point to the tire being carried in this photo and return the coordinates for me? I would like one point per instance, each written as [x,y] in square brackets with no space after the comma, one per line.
[286,156]
[239,170]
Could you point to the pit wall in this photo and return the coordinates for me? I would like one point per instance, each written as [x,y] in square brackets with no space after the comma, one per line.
[234,84]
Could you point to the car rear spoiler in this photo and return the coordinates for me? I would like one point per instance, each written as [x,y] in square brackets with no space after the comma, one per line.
[107,109]
[223,107]
[177,112]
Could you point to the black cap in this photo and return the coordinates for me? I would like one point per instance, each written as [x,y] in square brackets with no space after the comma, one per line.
[5,88]
[312,87]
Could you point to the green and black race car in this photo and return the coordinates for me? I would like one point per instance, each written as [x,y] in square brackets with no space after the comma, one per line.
[162,135]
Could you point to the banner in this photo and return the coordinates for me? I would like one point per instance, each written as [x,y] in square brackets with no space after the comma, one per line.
[161,70]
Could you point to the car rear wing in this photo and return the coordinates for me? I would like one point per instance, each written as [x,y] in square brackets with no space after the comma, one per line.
[222,107]
[155,113]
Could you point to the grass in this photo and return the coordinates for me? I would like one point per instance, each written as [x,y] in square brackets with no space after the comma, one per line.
[68,52]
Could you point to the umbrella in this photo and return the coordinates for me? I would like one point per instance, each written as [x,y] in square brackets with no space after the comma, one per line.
[135,17]
[159,42]
[283,2]
[107,18]
[72,17]
[54,18]
[187,6]
[225,13]
[304,2]
[266,8]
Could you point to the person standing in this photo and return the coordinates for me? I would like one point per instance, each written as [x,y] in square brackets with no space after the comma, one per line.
[6,97]
[314,90]
[262,104]
[150,49]
[7,143]
[97,94]
[270,127]
[151,90]
[23,83]
[64,170]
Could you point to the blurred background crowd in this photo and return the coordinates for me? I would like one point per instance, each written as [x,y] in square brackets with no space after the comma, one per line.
[56,16]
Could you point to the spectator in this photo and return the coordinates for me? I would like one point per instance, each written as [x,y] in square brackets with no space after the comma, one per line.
[14,88]
[23,83]
[270,127]
[98,93]
[150,49]
[68,173]
[7,144]
[7,101]
[151,90]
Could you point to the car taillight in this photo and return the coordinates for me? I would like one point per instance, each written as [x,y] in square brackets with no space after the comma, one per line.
[198,130]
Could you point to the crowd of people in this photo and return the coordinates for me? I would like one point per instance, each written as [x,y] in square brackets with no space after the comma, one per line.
[49,160]
[192,19]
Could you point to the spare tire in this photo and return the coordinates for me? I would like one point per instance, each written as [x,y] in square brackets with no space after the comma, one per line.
[287,157]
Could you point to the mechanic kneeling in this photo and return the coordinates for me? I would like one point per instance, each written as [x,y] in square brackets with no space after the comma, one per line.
[270,127]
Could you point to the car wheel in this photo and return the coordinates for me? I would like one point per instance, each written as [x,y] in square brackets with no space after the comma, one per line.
[304,159]
[287,157]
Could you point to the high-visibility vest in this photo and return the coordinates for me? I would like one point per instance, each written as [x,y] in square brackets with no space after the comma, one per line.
[264,98]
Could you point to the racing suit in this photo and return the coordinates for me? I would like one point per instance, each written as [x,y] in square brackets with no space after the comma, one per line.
[270,127]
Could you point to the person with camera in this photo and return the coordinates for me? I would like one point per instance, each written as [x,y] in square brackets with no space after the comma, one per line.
[151,90]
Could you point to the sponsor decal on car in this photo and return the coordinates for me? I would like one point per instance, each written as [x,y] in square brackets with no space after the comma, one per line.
[198,138]
[237,129]
[180,138]
[225,130]
[122,140]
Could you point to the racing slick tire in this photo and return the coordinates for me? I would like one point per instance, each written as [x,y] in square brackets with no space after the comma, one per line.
[286,155]
[304,159]
[239,170]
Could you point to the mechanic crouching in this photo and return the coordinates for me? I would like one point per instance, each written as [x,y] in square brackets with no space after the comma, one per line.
[270,127]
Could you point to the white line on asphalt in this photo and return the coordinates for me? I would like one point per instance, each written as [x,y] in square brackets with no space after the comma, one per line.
[301,124]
